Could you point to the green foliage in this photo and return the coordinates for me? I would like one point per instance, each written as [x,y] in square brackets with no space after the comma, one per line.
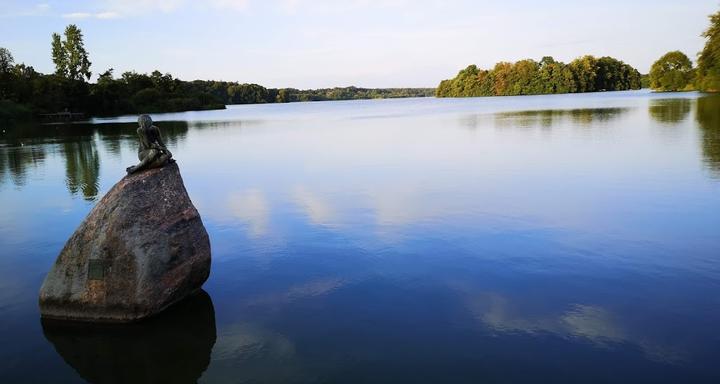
[44,93]
[584,72]
[708,71]
[140,93]
[287,95]
[672,72]
[6,60]
[6,64]
[69,55]
[613,74]
[248,94]
[59,56]
[137,93]
[529,77]
[10,110]
[645,81]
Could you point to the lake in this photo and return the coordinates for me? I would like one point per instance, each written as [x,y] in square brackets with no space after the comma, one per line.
[558,239]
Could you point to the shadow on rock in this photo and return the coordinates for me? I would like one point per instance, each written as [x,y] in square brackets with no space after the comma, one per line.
[173,347]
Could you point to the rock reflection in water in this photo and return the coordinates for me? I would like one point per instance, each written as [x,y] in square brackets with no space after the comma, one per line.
[173,347]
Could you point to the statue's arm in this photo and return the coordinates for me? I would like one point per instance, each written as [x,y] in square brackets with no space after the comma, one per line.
[161,143]
[143,139]
[145,160]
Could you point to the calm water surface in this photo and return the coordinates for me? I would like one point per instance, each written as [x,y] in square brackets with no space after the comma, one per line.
[570,238]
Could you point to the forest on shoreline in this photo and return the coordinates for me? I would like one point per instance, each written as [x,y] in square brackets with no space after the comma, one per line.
[26,93]
[32,93]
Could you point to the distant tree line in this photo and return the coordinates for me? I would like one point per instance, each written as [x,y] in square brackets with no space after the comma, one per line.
[285,95]
[674,71]
[157,92]
[257,94]
[548,76]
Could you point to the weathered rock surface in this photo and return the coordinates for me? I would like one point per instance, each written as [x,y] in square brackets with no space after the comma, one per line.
[142,248]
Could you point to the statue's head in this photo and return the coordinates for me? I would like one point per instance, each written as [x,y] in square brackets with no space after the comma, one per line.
[145,121]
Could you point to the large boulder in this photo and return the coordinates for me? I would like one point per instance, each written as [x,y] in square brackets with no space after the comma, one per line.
[142,248]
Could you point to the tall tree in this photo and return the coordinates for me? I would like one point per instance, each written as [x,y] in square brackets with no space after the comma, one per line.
[6,60]
[59,56]
[672,72]
[69,55]
[708,71]
[6,66]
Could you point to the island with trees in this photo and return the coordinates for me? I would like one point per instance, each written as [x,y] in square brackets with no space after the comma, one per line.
[672,72]
[548,76]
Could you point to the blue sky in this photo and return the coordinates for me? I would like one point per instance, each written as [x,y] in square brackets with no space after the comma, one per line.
[371,43]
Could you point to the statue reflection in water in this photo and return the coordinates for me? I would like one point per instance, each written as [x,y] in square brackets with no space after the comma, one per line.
[173,347]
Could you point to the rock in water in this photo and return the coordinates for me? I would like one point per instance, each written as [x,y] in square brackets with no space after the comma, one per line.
[141,249]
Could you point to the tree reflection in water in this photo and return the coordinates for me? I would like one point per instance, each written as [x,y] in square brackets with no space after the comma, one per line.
[708,117]
[555,117]
[670,111]
[23,148]
[15,162]
[82,168]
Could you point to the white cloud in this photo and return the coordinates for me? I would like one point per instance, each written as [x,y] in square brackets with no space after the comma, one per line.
[77,15]
[125,7]
[36,10]
[88,15]
[327,6]
[134,7]
[107,15]
[237,5]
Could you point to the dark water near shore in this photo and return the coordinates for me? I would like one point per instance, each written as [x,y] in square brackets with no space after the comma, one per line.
[566,238]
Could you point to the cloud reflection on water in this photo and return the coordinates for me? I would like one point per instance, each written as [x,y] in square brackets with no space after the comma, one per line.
[252,207]
[315,206]
[594,323]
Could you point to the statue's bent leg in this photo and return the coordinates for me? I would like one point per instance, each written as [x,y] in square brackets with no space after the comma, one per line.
[159,161]
[147,159]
